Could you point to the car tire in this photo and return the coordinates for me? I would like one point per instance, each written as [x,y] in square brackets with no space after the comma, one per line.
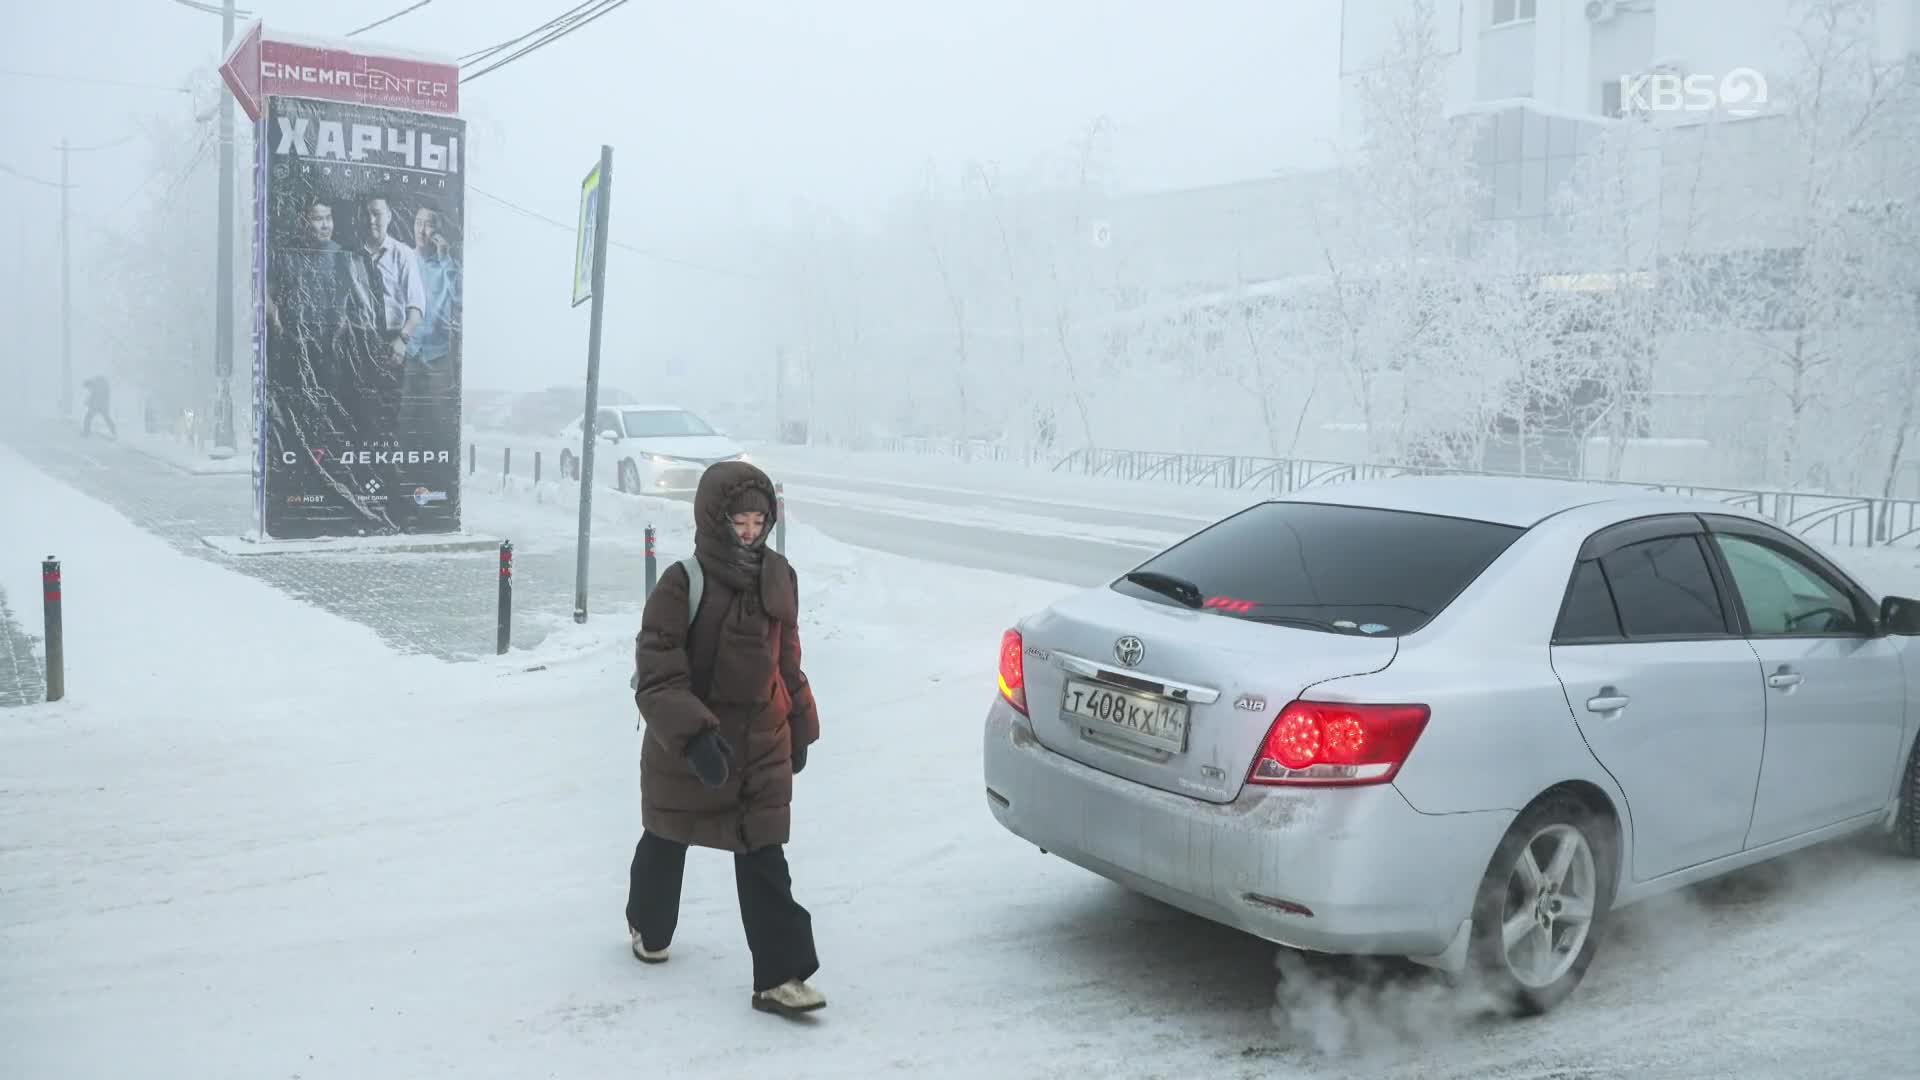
[1528,949]
[1906,820]
[629,477]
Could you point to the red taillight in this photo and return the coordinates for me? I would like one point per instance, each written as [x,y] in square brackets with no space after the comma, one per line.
[1325,742]
[1013,670]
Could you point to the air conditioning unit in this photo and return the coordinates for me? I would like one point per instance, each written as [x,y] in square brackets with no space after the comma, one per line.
[1602,10]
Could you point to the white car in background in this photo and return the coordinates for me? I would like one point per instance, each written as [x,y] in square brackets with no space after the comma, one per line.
[648,449]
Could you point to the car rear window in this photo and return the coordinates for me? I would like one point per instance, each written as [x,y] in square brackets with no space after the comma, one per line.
[1342,569]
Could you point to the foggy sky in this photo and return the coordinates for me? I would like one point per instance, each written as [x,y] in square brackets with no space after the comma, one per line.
[721,112]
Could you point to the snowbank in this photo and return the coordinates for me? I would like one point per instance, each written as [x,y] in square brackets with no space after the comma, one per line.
[149,631]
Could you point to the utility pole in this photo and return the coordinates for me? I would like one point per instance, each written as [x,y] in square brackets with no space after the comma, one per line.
[224,443]
[66,293]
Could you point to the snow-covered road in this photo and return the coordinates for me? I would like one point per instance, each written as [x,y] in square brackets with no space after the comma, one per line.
[222,858]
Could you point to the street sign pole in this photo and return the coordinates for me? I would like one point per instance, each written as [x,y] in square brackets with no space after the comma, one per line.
[596,196]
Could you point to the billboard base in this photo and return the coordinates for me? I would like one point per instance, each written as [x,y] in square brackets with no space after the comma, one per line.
[253,544]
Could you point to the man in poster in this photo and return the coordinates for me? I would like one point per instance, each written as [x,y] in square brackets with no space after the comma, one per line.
[429,368]
[361,367]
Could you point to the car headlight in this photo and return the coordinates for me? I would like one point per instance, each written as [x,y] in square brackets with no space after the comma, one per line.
[658,459]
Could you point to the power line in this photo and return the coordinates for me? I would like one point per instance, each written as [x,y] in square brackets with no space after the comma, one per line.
[11,171]
[554,29]
[388,19]
[606,8]
[121,141]
[93,82]
[509,43]
[643,252]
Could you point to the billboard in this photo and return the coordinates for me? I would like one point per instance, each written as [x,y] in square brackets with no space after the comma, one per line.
[359,304]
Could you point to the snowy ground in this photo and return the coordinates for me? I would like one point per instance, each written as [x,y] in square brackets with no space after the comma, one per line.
[256,843]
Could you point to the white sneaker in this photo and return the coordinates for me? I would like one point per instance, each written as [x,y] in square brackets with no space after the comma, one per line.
[790,998]
[644,954]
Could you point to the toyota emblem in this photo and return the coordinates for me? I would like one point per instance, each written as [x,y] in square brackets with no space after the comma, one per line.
[1129,651]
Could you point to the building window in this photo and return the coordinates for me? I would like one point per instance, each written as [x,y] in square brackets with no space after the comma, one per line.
[1506,12]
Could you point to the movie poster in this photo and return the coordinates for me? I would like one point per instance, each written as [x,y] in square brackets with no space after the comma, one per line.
[360,310]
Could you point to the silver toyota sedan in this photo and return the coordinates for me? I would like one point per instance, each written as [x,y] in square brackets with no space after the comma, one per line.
[1458,719]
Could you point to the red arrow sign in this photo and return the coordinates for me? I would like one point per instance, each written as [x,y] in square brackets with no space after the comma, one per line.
[240,70]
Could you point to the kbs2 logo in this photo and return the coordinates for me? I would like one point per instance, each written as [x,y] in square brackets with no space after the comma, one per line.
[1740,92]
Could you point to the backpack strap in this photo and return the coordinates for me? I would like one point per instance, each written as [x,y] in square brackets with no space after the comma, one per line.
[696,585]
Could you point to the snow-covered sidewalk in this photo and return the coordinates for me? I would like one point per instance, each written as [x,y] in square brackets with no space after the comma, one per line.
[255,843]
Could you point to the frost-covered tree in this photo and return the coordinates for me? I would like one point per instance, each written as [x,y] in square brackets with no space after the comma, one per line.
[1610,310]
[1392,242]
[147,319]
[1841,118]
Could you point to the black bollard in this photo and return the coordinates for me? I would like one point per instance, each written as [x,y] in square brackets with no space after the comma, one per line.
[503,632]
[55,641]
[506,462]
[536,466]
[473,458]
[653,565]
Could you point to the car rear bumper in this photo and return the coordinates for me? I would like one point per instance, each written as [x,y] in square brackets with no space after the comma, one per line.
[1339,870]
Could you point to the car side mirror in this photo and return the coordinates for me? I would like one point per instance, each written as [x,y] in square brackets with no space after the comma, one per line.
[609,435]
[1900,615]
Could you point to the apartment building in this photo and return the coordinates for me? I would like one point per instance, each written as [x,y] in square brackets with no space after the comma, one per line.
[1569,58]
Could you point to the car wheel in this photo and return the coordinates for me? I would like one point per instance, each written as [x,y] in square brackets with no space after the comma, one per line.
[629,477]
[1906,823]
[1537,916]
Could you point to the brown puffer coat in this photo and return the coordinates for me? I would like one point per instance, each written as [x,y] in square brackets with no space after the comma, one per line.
[737,669]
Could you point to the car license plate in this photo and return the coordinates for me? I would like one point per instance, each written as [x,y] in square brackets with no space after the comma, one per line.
[1151,721]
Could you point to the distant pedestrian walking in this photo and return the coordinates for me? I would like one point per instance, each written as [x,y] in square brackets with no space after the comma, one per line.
[98,405]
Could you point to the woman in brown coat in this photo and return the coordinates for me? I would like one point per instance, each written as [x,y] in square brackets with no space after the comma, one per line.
[728,716]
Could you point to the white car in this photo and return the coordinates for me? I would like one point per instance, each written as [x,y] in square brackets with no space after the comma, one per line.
[1459,719]
[648,449]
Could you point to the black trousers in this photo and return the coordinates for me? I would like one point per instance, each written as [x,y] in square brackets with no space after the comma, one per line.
[779,930]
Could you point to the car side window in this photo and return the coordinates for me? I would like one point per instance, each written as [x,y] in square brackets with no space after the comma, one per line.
[1588,614]
[1664,588]
[1782,595]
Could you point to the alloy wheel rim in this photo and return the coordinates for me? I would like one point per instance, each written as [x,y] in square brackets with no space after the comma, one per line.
[1550,899]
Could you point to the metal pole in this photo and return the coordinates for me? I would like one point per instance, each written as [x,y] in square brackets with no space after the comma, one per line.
[223,435]
[55,636]
[653,565]
[503,617]
[588,437]
[780,518]
[506,461]
[536,467]
[66,294]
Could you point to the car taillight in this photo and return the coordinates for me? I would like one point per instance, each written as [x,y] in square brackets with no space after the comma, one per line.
[1013,670]
[1325,742]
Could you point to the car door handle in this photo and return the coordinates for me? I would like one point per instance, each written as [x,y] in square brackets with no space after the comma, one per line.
[1607,703]
[1784,680]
